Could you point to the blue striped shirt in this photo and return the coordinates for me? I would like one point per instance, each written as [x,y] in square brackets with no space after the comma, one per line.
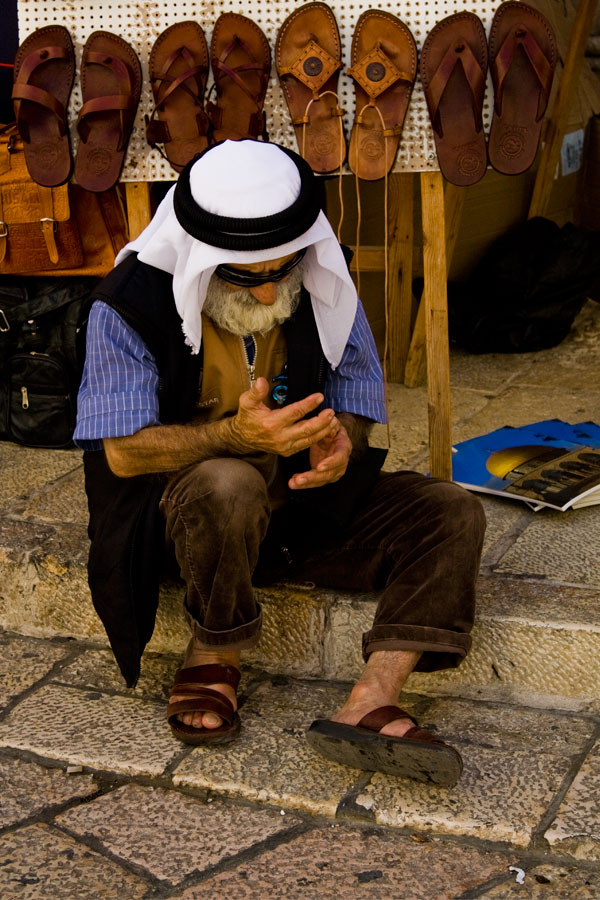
[118,394]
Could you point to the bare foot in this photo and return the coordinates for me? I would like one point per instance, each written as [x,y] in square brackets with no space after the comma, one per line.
[363,700]
[199,656]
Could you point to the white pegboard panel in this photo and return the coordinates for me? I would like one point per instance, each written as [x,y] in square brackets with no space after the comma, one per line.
[140,23]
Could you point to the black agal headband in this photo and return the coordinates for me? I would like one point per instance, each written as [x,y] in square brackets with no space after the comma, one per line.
[248,234]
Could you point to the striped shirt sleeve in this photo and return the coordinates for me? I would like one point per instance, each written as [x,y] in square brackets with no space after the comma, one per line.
[356,386]
[118,394]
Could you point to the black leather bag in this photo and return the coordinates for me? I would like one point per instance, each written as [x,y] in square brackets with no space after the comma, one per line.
[42,347]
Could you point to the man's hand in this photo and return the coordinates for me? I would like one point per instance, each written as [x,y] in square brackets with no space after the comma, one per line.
[281,431]
[329,461]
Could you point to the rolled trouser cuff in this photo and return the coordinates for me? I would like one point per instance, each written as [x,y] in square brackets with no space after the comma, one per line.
[242,637]
[439,647]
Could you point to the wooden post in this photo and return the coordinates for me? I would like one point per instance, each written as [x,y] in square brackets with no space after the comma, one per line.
[436,324]
[557,123]
[400,268]
[137,196]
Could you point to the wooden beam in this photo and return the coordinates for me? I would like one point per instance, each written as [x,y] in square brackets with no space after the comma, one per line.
[400,269]
[137,197]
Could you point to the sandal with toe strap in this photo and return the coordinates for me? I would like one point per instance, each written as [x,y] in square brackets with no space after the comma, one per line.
[178,71]
[384,68]
[418,754]
[191,683]
[308,59]
[43,78]
[241,65]
[111,84]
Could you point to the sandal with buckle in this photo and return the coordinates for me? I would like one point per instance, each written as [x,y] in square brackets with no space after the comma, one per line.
[191,683]
[418,754]
[178,71]
[111,84]
[384,68]
[523,56]
[308,55]
[241,65]
[43,78]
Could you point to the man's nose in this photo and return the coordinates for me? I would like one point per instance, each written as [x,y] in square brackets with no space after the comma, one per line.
[265,293]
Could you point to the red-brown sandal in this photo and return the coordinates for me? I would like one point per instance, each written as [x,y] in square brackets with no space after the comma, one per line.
[191,683]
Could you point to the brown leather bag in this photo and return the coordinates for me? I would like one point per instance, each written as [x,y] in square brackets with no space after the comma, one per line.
[62,230]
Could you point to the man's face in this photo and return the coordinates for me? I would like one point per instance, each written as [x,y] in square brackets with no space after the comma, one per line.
[265,293]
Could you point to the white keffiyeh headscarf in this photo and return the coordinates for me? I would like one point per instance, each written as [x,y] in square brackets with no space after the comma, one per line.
[231,188]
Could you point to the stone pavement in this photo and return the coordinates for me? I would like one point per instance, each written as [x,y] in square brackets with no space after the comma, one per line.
[98,801]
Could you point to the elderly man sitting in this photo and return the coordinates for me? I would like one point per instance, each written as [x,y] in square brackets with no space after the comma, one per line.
[230,382]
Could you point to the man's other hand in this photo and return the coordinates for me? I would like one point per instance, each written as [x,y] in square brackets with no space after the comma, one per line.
[329,460]
[282,431]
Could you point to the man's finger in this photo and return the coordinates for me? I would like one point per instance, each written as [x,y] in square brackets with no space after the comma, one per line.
[256,395]
[295,411]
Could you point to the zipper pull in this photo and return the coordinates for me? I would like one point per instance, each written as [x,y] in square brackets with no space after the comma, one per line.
[251,370]
[24,398]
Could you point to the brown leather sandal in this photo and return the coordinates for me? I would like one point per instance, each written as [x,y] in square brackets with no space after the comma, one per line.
[178,71]
[308,59]
[384,68]
[190,683]
[111,83]
[43,78]
[523,56]
[453,71]
[418,754]
[241,65]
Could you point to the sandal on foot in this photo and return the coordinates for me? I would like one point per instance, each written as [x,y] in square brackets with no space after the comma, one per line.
[241,65]
[523,57]
[308,59]
[384,68]
[453,70]
[417,754]
[43,78]
[178,71]
[191,683]
[111,83]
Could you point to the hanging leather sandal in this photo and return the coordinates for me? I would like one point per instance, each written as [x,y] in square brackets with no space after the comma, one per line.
[241,65]
[43,77]
[191,683]
[308,59]
[384,68]
[178,71]
[111,84]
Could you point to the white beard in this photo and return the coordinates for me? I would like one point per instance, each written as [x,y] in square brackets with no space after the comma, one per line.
[240,313]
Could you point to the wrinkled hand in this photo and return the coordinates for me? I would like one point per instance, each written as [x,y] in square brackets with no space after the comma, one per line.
[281,431]
[329,460]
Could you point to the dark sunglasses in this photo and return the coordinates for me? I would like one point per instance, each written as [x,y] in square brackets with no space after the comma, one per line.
[242,278]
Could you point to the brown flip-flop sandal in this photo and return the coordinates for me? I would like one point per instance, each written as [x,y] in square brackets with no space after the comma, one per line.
[384,68]
[191,683]
[43,78]
[241,65]
[523,56]
[453,70]
[308,55]
[417,754]
[111,83]
[178,71]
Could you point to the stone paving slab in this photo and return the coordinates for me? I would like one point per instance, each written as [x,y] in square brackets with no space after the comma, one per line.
[23,662]
[40,863]
[92,729]
[340,862]
[549,882]
[576,828]
[64,501]
[271,762]
[172,835]
[27,469]
[27,788]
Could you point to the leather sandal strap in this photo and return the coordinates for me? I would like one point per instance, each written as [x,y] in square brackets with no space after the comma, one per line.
[213,673]
[206,700]
[375,72]
[459,53]
[382,716]
[421,734]
[39,57]
[313,68]
[123,102]
[521,36]
[35,94]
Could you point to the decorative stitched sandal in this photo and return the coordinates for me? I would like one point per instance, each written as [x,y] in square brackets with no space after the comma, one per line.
[417,754]
[111,84]
[43,78]
[308,59]
[384,68]
[191,683]
[241,65]
[178,71]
